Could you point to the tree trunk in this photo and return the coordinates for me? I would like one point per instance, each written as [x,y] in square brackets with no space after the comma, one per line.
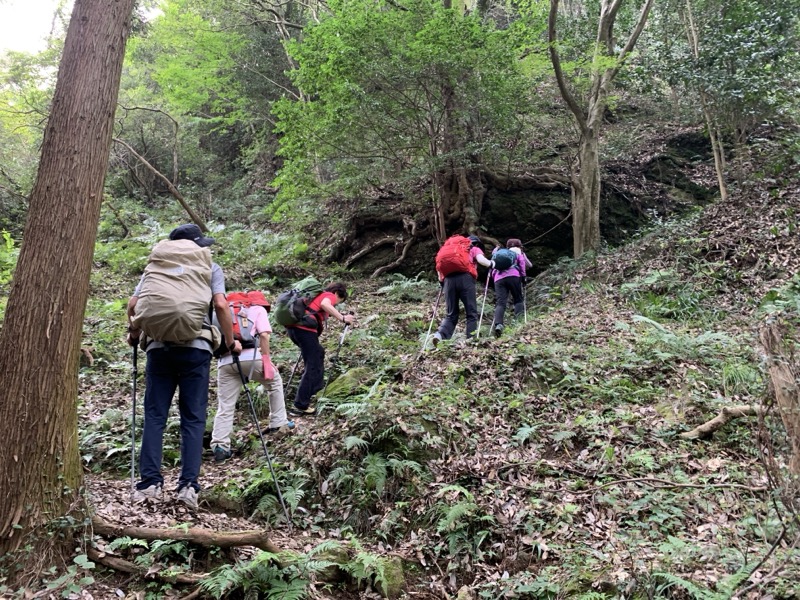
[783,373]
[586,180]
[40,469]
[586,196]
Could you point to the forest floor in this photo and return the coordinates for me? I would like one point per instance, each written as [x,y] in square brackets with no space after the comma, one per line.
[547,463]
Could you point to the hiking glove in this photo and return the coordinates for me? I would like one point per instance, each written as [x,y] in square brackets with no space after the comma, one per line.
[269,370]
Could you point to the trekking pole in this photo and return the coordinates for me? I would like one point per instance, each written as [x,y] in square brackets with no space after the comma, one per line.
[261,437]
[133,420]
[485,292]
[525,302]
[294,370]
[433,316]
[335,357]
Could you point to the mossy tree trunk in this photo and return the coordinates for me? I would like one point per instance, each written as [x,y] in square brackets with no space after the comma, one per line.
[40,468]
[606,63]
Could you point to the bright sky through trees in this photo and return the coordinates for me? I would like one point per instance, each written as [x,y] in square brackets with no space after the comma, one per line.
[24,24]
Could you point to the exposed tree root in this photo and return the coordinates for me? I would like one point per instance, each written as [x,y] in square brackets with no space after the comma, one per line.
[726,415]
[196,535]
[389,239]
[398,262]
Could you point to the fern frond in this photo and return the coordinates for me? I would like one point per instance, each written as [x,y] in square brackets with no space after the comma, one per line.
[454,514]
[353,409]
[375,472]
[353,441]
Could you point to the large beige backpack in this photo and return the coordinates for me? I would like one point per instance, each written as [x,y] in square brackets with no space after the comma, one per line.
[175,293]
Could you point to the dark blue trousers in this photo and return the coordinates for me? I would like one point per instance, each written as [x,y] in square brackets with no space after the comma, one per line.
[168,369]
[313,354]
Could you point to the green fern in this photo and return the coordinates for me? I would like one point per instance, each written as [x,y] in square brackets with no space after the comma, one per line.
[454,514]
[375,472]
[404,467]
[353,409]
[296,589]
[353,441]
[525,433]
[125,542]
[642,458]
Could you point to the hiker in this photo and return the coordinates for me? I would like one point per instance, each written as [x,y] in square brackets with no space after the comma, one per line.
[255,364]
[185,364]
[509,281]
[306,337]
[458,272]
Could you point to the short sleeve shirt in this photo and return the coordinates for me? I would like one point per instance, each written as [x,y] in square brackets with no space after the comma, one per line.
[260,319]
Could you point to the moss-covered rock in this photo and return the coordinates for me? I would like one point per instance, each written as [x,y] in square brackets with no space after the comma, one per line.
[391,586]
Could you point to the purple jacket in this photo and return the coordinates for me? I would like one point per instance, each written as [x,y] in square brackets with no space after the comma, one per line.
[518,270]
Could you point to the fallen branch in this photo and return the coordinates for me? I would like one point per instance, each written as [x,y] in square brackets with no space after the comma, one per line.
[172,189]
[196,535]
[125,566]
[726,415]
[666,485]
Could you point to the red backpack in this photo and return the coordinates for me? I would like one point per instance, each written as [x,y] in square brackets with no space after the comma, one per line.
[241,324]
[453,257]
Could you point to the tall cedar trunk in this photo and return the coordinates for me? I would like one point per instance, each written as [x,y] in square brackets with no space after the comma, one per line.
[40,470]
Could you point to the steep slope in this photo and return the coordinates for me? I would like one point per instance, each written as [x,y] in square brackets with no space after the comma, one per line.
[547,463]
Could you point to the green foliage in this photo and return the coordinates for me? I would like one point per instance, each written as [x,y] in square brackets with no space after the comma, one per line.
[746,57]
[724,591]
[8,262]
[369,109]
[264,575]
[402,288]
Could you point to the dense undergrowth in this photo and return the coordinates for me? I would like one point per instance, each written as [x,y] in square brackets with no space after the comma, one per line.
[547,463]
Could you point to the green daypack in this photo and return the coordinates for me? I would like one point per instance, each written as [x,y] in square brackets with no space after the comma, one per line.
[175,294]
[292,305]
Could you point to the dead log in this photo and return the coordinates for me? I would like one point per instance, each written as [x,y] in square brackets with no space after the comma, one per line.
[197,535]
[125,566]
[726,415]
[783,377]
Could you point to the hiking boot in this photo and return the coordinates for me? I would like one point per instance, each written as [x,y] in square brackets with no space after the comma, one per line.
[221,454]
[188,495]
[303,412]
[437,337]
[151,492]
[283,430]
[498,330]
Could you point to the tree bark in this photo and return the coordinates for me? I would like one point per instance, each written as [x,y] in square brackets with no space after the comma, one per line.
[40,469]
[783,373]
